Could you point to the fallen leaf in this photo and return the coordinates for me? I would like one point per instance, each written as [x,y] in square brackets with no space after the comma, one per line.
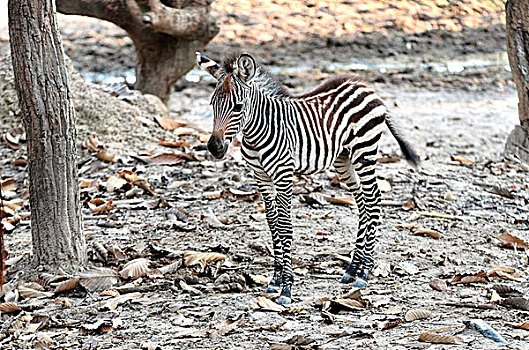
[109,293]
[506,291]
[480,277]
[519,303]
[115,183]
[135,268]
[104,207]
[106,156]
[174,143]
[417,314]
[341,200]
[20,161]
[173,158]
[438,285]
[510,241]
[98,279]
[461,159]
[265,304]
[11,141]
[67,285]
[212,195]
[113,303]
[524,325]
[9,307]
[184,131]
[427,232]
[202,259]
[388,324]
[169,124]
[440,339]
[26,292]
[8,184]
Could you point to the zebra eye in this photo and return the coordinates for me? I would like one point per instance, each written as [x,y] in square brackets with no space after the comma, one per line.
[238,107]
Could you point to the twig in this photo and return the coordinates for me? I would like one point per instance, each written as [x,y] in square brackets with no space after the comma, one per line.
[446,216]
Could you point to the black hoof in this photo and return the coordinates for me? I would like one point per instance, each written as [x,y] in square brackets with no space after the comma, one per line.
[284,300]
[360,283]
[347,278]
[272,289]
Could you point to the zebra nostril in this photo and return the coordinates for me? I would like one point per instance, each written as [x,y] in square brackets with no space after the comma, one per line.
[217,147]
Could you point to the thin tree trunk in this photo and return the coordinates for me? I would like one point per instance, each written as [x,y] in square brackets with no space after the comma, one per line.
[517,21]
[49,119]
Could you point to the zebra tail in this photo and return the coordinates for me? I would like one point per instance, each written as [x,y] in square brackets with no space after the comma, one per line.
[407,149]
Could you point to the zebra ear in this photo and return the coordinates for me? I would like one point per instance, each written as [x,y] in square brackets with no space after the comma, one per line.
[246,67]
[209,65]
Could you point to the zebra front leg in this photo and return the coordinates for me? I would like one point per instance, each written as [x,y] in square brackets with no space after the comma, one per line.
[267,190]
[284,228]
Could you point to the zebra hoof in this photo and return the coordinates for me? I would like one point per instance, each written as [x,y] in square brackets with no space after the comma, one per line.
[360,283]
[272,289]
[284,300]
[347,278]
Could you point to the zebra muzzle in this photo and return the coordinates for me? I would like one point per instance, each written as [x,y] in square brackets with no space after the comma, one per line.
[217,147]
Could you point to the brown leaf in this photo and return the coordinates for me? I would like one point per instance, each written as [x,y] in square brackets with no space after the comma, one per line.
[173,158]
[8,184]
[519,303]
[347,304]
[11,141]
[174,143]
[202,259]
[212,195]
[113,303]
[427,232]
[265,304]
[480,277]
[388,324]
[417,314]
[98,279]
[244,195]
[20,161]
[506,291]
[106,156]
[184,131]
[440,339]
[67,285]
[6,308]
[341,200]
[104,207]
[169,124]
[115,183]
[136,180]
[109,292]
[135,268]
[509,241]
[438,285]
[93,144]
[461,159]
[524,325]
[409,204]
[32,293]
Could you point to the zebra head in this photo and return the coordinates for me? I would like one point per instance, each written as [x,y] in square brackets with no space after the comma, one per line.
[229,98]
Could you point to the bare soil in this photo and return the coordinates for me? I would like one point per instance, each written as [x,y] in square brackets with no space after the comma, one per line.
[465,190]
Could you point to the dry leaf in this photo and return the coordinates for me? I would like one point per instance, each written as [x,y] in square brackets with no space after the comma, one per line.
[174,143]
[265,304]
[113,303]
[171,268]
[135,268]
[417,314]
[115,183]
[480,277]
[11,141]
[409,204]
[109,292]
[173,158]
[461,159]
[8,184]
[506,291]
[6,308]
[106,156]
[202,259]
[440,339]
[184,131]
[524,325]
[347,304]
[67,285]
[438,285]
[169,124]
[509,241]
[341,200]
[26,292]
[117,252]
[104,207]
[519,303]
[188,288]
[388,324]
[427,232]
[212,195]
[98,279]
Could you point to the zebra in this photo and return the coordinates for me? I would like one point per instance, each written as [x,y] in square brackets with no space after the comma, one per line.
[338,124]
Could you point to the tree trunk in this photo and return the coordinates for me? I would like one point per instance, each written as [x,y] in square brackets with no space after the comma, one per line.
[517,21]
[166,35]
[49,119]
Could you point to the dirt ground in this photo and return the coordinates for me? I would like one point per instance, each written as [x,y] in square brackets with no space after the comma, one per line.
[441,68]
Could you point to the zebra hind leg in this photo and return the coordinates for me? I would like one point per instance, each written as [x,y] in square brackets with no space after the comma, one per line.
[346,174]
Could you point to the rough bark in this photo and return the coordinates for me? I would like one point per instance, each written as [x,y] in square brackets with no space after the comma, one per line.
[517,21]
[49,119]
[166,35]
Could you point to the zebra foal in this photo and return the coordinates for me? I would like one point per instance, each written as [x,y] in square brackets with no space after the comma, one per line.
[338,124]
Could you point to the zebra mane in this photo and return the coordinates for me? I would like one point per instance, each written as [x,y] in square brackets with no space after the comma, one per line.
[262,78]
